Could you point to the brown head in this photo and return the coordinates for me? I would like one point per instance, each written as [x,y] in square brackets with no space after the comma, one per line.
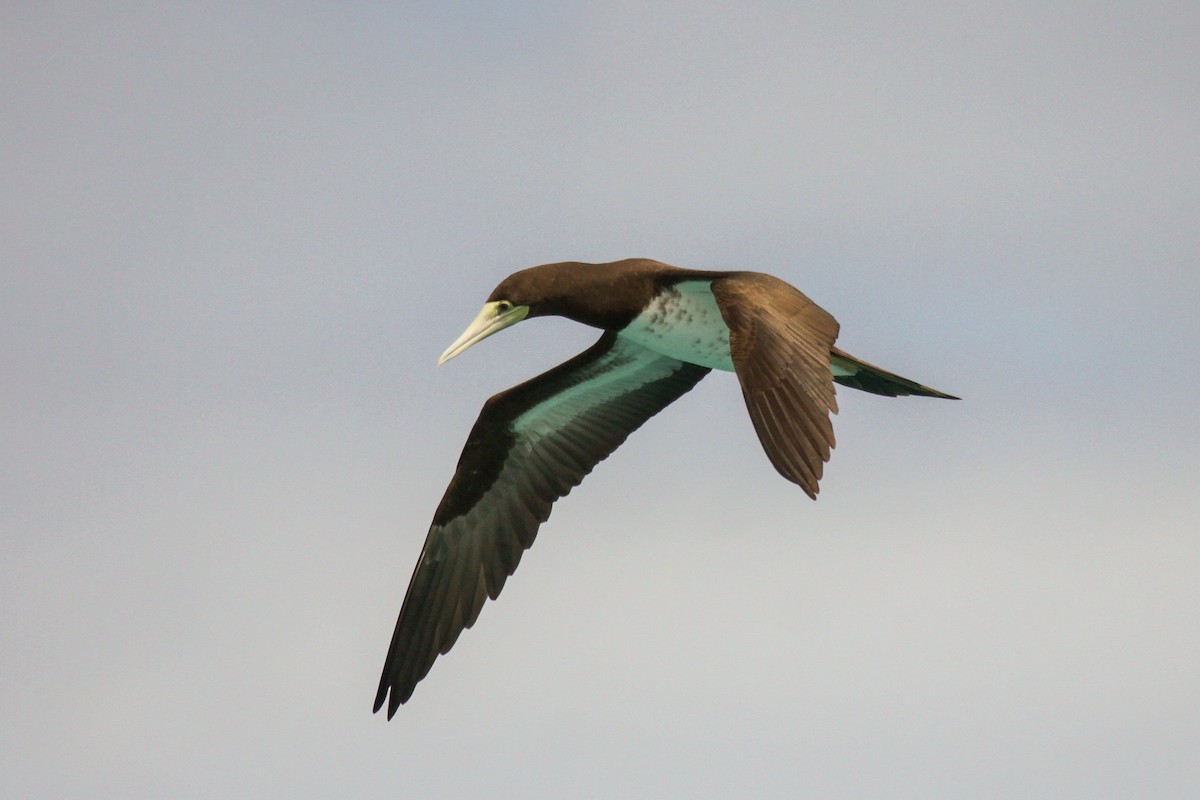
[605,296]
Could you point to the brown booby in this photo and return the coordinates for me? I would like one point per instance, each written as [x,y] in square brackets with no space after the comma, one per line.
[664,329]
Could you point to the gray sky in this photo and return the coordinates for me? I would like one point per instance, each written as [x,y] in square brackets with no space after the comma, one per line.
[236,240]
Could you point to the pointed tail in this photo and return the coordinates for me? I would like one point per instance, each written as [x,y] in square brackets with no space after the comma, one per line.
[849,371]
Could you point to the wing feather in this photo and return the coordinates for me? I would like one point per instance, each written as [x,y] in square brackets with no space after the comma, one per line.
[531,445]
[780,342]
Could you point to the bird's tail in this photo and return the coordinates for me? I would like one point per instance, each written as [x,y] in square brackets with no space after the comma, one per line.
[849,371]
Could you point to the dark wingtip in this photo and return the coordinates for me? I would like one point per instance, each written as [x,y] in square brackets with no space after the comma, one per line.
[393,701]
[393,696]
[392,706]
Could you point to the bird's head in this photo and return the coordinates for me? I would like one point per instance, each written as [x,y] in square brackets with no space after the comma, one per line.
[532,292]
[600,295]
[509,303]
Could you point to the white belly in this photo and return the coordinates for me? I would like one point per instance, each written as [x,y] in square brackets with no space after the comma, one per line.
[684,322]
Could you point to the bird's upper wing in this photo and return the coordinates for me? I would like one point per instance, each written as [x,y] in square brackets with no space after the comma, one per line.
[530,446]
[780,352]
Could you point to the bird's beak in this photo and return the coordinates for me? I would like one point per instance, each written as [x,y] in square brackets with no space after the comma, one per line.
[490,320]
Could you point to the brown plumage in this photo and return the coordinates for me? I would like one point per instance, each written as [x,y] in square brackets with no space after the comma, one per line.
[664,329]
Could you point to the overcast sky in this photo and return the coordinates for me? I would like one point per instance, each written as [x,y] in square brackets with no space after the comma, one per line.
[234,239]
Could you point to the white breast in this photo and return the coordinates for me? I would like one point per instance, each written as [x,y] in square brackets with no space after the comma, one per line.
[684,322]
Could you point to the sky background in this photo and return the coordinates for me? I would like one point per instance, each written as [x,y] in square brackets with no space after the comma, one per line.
[234,239]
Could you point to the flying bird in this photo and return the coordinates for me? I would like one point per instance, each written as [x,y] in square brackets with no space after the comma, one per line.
[664,328]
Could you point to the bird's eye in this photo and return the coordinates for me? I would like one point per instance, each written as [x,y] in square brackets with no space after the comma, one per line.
[504,306]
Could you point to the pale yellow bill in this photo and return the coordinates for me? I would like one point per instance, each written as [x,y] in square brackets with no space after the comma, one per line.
[493,317]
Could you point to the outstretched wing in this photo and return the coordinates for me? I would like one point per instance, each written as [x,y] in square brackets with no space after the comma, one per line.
[780,342]
[529,447]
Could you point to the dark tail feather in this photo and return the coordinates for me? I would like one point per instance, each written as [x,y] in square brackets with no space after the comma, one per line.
[849,371]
